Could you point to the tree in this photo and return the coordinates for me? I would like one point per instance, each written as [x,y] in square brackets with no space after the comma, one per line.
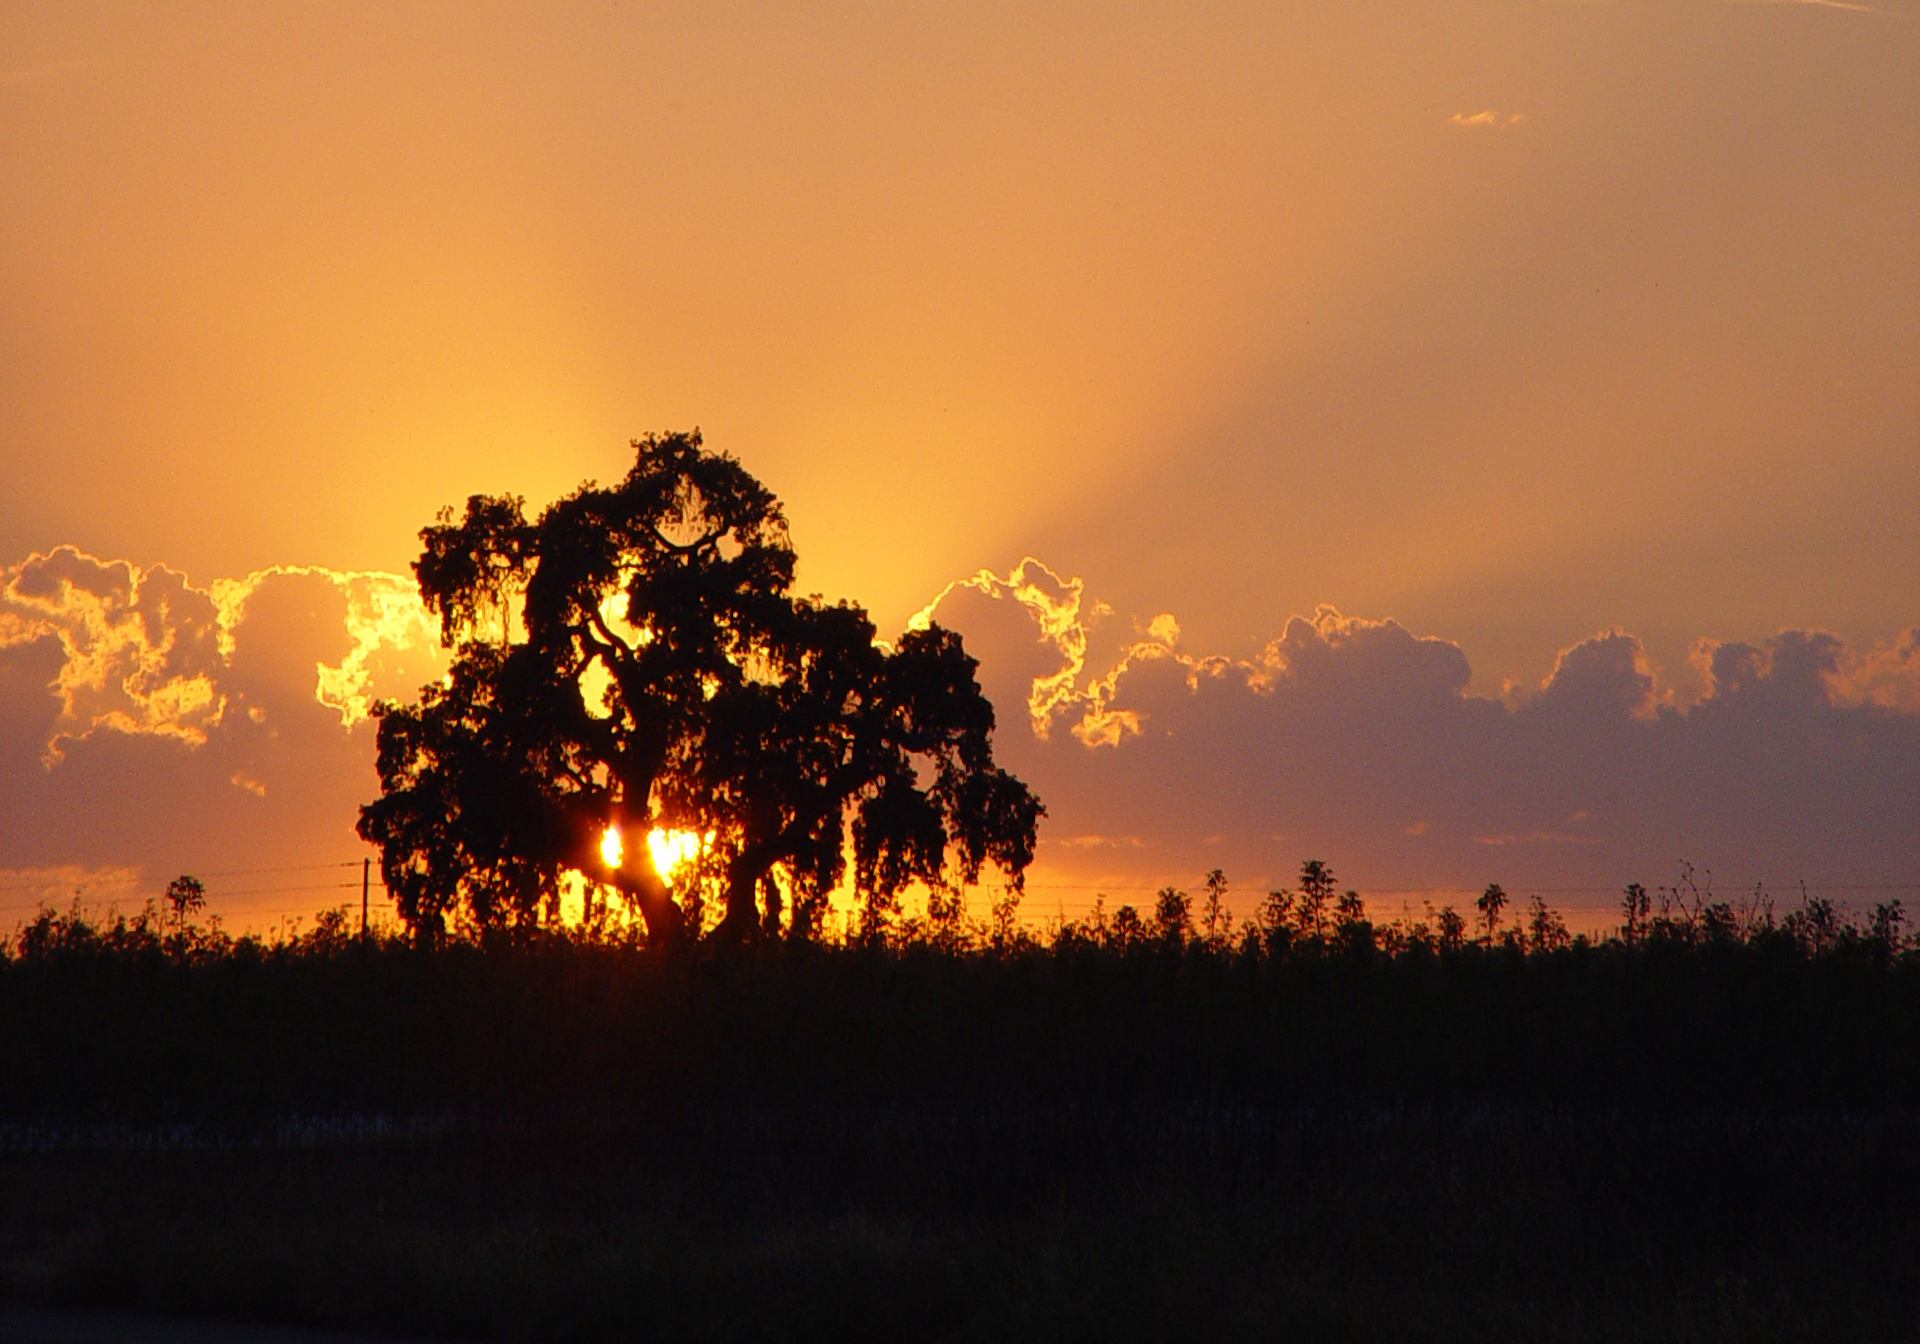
[186,897]
[1316,891]
[1173,916]
[1546,931]
[1275,920]
[1889,917]
[1217,918]
[1635,907]
[1491,902]
[836,719]
[633,660]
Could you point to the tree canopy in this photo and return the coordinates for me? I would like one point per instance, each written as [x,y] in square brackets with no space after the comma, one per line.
[635,658]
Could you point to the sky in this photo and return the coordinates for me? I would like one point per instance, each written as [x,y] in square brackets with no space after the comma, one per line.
[1460,441]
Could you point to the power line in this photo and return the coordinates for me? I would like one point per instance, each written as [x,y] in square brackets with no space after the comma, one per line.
[1098,888]
[219,896]
[225,872]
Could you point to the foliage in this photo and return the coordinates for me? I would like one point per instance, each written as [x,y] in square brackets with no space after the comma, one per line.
[1702,1130]
[635,659]
[1491,902]
[1815,1009]
[186,896]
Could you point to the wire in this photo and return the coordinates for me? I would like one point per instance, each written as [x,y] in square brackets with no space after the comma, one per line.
[1099,888]
[224,895]
[225,872]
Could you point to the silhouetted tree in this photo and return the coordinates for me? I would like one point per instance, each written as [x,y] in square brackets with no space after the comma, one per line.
[1816,925]
[1350,909]
[1003,919]
[1214,913]
[635,659]
[1635,906]
[1275,920]
[833,720]
[1492,901]
[1546,931]
[1889,918]
[186,897]
[1173,916]
[1353,931]
[1316,892]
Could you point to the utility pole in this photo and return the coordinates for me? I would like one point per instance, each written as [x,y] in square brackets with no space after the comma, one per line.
[366,880]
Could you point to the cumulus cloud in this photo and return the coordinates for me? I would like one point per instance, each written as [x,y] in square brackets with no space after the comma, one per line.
[1062,625]
[138,646]
[385,622]
[142,651]
[150,726]
[1357,740]
[154,726]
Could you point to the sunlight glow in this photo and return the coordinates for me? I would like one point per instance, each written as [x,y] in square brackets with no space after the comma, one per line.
[673,848]
[670,849]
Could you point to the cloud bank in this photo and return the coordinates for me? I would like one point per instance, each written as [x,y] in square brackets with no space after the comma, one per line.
[1357,740]
[149,726]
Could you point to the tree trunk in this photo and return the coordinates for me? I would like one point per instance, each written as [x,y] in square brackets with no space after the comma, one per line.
[770,897]
[666,926]
[741,923]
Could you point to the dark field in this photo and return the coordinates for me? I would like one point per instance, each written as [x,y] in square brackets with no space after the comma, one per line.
[1685,1139]
[1199,1225]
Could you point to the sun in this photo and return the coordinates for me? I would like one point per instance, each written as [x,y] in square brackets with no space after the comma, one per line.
[670,849]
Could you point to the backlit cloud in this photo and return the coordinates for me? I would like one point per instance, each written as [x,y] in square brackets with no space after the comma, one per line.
[139,647]
[1357,740]
[1056,607]
[151,726]
[144,651]
[1487,117]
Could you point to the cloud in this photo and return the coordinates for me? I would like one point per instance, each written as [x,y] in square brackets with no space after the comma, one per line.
[1102,842]
[1357,740]
[1534,838]
[1055,605]
[1820,4]
[1486,117]
[58,884]
[151,725]
[145,652]
[139,646]
[385,622]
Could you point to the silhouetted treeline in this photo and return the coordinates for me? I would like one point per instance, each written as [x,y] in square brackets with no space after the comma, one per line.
[1693,1003]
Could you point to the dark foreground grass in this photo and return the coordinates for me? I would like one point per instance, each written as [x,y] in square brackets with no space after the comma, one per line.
[1696,1134]
[1190,1222]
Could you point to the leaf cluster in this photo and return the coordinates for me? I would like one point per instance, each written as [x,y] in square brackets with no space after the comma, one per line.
[634,659]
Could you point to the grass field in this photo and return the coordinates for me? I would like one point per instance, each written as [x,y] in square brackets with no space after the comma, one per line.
[1194,1224]
[1688,1138]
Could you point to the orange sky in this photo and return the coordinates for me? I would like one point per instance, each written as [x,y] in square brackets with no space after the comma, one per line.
[1512,321]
